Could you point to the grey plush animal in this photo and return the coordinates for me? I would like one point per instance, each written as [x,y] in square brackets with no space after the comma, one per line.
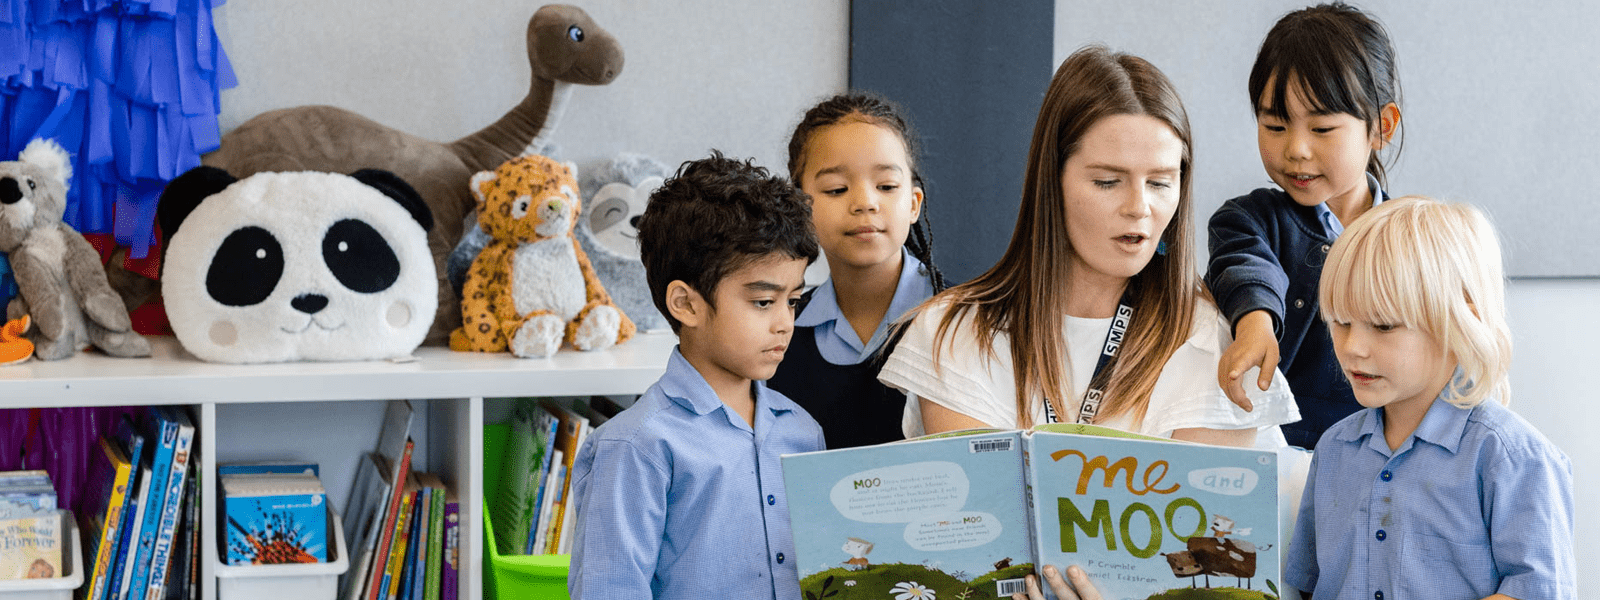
[62,285]
[614,195]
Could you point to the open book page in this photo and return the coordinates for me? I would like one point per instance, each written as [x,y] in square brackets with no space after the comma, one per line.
[944,515]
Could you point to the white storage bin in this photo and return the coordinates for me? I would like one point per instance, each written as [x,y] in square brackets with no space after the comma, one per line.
[54,588]
[319,581]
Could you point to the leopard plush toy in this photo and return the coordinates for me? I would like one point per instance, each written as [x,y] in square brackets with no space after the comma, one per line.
[533,288]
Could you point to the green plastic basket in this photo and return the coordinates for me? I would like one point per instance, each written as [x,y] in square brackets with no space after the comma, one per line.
[514,577]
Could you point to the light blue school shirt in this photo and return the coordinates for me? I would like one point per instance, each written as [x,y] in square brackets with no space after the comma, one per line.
[1475,502]
[837,340]
[677,497]
[1330,222]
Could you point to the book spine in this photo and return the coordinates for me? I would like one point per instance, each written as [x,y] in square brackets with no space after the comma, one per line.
[166,442]
[130,540]
[111,519]
[178,475]
[449,569]
[419,544]
[385,536]
[430,589]
[551,426]
[395,566]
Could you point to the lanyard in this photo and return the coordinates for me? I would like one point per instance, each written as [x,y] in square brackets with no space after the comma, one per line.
[1108,354]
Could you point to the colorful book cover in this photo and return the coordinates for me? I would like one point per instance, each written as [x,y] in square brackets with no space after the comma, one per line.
[558,474]
[131,438]
[450,559]
[386,481]
[547,426]
[31,546]
[109,477]
[162,434]
[394,567]
[524,457]
[177,586]
[569,436]
[128,546]
[275,519]
[432,567]
[968,516]
[417,548]
[171,500]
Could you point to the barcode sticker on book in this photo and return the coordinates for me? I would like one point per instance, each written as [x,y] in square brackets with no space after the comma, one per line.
[994,445]
[1007,587]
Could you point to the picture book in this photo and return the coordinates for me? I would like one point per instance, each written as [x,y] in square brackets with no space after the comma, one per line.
[371,494]
[175,481]
[450,559]
[969,515]
[109,475]
[434,558]
[31,546]
[394,567]
[527,457]
[127,547]
[165,428]
[275,518]
[23,493]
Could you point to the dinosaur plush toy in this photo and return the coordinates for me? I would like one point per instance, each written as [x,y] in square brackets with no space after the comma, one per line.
[565,47]
[63,287]
[532,288]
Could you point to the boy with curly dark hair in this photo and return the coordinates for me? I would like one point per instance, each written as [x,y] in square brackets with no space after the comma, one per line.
[681,495]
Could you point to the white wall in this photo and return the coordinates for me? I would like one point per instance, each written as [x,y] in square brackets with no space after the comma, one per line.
[699,74]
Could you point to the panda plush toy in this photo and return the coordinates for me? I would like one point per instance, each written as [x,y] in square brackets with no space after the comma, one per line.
[282,267]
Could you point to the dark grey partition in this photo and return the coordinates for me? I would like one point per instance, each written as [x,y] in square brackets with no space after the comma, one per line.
[972,76]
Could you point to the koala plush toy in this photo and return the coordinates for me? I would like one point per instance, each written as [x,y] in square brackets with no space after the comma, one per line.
[293,266]
[63,287]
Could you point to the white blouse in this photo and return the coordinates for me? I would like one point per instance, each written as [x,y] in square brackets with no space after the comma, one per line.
[1186,395]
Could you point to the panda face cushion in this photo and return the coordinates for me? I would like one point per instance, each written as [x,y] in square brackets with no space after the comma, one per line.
[297,266]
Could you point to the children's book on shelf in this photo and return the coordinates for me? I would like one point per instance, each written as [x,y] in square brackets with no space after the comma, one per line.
[395,565]
[110,475]
[569,438]
[133,526]
[31,545]
[275,518]
[417,548]
[968,515]
[182,583]
[434,556]
[553,481]
[25,493]
[177,477]
[373,501]
[450,559]
[527,457]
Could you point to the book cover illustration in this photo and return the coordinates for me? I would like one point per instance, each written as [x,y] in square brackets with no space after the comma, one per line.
[275,519]
[31,546]
[930,518]
[1157,520]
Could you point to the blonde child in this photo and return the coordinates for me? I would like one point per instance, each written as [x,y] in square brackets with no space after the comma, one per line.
[1326,95]
[1435,490]
[1102,253]
[855,155]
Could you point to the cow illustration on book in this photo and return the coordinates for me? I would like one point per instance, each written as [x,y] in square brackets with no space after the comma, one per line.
[1217,555]
[858,549]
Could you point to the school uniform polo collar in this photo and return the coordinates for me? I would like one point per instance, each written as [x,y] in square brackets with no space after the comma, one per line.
[687,388]
[909,291]
[1443,425]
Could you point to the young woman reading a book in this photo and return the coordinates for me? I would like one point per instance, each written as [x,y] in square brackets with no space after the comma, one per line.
[1095,313]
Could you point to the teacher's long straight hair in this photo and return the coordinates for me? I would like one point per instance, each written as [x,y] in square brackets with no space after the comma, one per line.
[1023,295]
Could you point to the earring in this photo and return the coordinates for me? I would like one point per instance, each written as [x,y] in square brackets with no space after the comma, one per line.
[1161,248]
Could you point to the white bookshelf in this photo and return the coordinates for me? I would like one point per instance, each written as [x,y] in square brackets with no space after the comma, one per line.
[453,386]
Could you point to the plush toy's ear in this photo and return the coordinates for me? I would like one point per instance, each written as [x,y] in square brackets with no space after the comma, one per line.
[394,187]
[186,192]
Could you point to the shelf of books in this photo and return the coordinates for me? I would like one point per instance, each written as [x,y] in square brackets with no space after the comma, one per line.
[341,416]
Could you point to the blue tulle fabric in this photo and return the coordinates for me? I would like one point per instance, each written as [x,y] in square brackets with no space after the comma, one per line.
[129,87]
